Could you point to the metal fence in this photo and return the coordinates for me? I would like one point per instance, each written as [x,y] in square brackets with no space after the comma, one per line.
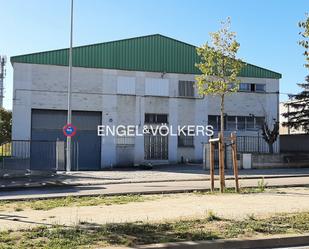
[245,144]
[254,144]
[15,156]
[21,157]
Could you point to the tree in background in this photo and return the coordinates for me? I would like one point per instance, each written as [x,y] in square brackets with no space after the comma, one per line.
[219,69]
[298,106]
[5,125]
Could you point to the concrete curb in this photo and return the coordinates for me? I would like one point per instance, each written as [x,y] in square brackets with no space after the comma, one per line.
[282,241]
[65,184]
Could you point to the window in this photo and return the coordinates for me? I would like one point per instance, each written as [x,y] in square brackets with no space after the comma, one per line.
[125,137]
[212,120]
[241,123]
[161,118]
[125,140]
[244,87]
[231,86]
[125,85]
[185,140]
[151,118]
[231,123]
[156,87]
[260,87]
[248,87]
[259,121]
[250,123]
[186,88]
[252,87]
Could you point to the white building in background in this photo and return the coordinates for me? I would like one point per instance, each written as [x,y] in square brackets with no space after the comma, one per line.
[283,129]
[138,81]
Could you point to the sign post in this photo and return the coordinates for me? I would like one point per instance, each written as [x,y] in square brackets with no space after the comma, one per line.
[69,131]
[69,117]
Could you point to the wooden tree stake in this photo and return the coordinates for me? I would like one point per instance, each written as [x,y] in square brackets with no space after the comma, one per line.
[221,162]
[212,166]
[234,158]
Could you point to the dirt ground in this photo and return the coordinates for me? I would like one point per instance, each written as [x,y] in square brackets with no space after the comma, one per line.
[171,207]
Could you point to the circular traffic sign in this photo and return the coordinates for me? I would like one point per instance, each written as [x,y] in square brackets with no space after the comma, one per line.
[69,130]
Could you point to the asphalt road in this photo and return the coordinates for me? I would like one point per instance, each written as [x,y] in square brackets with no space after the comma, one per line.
[142,188]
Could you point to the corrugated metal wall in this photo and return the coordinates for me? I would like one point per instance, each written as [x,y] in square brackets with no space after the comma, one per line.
[153,53]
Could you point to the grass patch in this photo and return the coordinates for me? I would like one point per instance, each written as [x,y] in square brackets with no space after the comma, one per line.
[262,185]
[71,201]
[247,190]
[139,233]
[277,224]
[18,209]
[211,216]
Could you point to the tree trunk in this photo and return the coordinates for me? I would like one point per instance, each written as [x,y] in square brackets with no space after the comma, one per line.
[271,148]
[221,145]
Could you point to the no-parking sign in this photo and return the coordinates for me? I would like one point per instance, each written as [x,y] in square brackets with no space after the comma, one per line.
[69,130]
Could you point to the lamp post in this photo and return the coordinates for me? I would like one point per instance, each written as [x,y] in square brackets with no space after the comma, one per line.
[69,116]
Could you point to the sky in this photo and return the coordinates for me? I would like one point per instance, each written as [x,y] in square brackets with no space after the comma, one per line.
[266,29]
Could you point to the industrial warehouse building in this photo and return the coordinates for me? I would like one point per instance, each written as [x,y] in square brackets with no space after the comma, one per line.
[143,80]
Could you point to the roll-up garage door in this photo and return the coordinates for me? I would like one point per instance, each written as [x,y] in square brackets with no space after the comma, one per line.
[47,126]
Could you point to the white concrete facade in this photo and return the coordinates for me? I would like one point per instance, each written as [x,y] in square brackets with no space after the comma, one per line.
[105,90]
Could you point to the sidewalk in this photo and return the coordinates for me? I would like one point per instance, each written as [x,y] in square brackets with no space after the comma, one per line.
[125,176]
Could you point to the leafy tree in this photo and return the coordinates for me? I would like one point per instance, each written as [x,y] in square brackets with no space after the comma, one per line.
[298,114]
[5,125]
[219,68]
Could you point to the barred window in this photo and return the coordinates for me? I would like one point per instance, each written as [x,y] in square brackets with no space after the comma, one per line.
[186,88]
[125,140]
[185,140]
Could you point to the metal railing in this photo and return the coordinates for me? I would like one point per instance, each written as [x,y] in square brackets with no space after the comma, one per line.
[20,157]
[254,144]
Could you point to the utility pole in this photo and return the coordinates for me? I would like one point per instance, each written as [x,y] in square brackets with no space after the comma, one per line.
[69,117]
[2,76]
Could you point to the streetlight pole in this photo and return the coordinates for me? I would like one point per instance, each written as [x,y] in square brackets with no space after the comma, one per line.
[69,117]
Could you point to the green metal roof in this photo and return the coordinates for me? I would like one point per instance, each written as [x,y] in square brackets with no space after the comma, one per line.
[153,53]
